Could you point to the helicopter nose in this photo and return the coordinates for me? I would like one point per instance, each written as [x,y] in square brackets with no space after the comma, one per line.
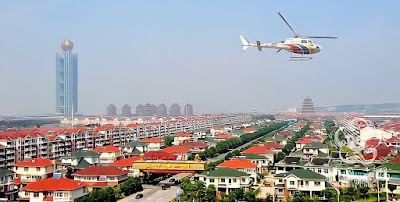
[318,48]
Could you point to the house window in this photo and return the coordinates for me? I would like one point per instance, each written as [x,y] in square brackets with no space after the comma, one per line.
[343,171]
[212,180]
[291,182]
[326,170]
[222,180]
[280,180]
[26,169]
[301,183]
[27,193]
[35,194]
[112,178]
[280,190]
[234,180]
[243,180]
[317,183]
[319,170]
[37,168]
[306,183]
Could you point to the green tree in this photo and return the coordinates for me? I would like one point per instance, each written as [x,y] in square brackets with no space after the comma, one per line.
[210,193]
[168,140]
[330,194]
[279,156]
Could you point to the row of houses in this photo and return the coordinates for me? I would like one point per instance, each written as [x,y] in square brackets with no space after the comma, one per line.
[55,142]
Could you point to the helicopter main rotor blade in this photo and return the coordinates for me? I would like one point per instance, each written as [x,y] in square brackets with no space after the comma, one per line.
[288,25]
[322,37]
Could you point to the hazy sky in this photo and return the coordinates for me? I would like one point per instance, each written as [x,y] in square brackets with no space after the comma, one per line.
[189,51]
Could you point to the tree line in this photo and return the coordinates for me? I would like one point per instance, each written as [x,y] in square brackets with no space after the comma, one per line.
[224,146]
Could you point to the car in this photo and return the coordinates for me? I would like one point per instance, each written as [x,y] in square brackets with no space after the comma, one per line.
[139,196]
[172,180]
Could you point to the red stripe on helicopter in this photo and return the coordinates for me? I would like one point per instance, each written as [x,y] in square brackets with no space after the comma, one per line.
[295,48]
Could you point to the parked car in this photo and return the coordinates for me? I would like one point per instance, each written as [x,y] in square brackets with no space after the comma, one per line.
[139,196]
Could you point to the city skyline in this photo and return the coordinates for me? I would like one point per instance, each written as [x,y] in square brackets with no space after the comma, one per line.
[117,58]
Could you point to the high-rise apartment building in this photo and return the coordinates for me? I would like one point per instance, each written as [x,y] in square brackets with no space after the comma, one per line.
[174,110]
[139,110]
[126,111]
[67,80]
[308,106]
[188,112]
[111,110]
[162,110]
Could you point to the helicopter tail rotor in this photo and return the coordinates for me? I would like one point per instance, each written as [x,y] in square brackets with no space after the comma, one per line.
[245,43]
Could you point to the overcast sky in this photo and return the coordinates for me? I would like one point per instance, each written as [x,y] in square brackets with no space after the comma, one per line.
[189,51]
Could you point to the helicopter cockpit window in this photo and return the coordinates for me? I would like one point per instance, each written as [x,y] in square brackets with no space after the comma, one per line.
[303,41]
[310,42]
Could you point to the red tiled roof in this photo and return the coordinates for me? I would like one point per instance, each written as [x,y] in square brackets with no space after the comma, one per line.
[103,128]
[39,162]
[271,145]
[48,198]
[17,180]
[224,136]
[125,162]
[176,149]
[256,149]
[306,140]
[393,139]
[395,159]
[301,123]
[372,142]
[237,164]
[153,140]
[51,184]
[383,150]
[159,155]
[99,184]
[286,133]
[249,129]
[217,127]
[370,155]
[106,149]
[191,145]
[183,135]
[52,137]
[133,125]
[100,170]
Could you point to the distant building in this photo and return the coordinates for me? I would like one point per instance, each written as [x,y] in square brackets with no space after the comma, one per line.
[67,80]
[162,110]
[111,110]
[140,110]
[308,106]
[174,110]
[126,111]
[154,110]
[148,110]
[188,110]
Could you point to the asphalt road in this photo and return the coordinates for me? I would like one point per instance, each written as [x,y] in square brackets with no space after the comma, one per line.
[153,194]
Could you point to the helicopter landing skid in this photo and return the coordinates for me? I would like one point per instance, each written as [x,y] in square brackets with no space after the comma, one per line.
[299,57]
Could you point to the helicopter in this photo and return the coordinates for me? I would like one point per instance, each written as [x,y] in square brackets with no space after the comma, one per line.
[300,47]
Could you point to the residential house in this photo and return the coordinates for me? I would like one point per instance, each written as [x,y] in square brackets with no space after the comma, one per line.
[195,147]
[101,176]
[222,137]
[155,143]
[181,152]
[52,189]
[261,162]
[241,164]
[126,164]
[306,181]
[180,138]
[34,170]
[260,149]
[108,154]
[249,130]
[226,180]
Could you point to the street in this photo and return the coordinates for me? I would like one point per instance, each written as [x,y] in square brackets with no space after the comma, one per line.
[153,194]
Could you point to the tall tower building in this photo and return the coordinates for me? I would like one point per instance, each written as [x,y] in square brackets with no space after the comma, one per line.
[67,80]
[308,106]
[111,110]
[162,110]
[174,110]
[140,110]
[148,110]
[126,111]
[188,110]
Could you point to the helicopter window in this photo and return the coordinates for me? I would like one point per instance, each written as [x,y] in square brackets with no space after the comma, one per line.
[310,42]
[303,41]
